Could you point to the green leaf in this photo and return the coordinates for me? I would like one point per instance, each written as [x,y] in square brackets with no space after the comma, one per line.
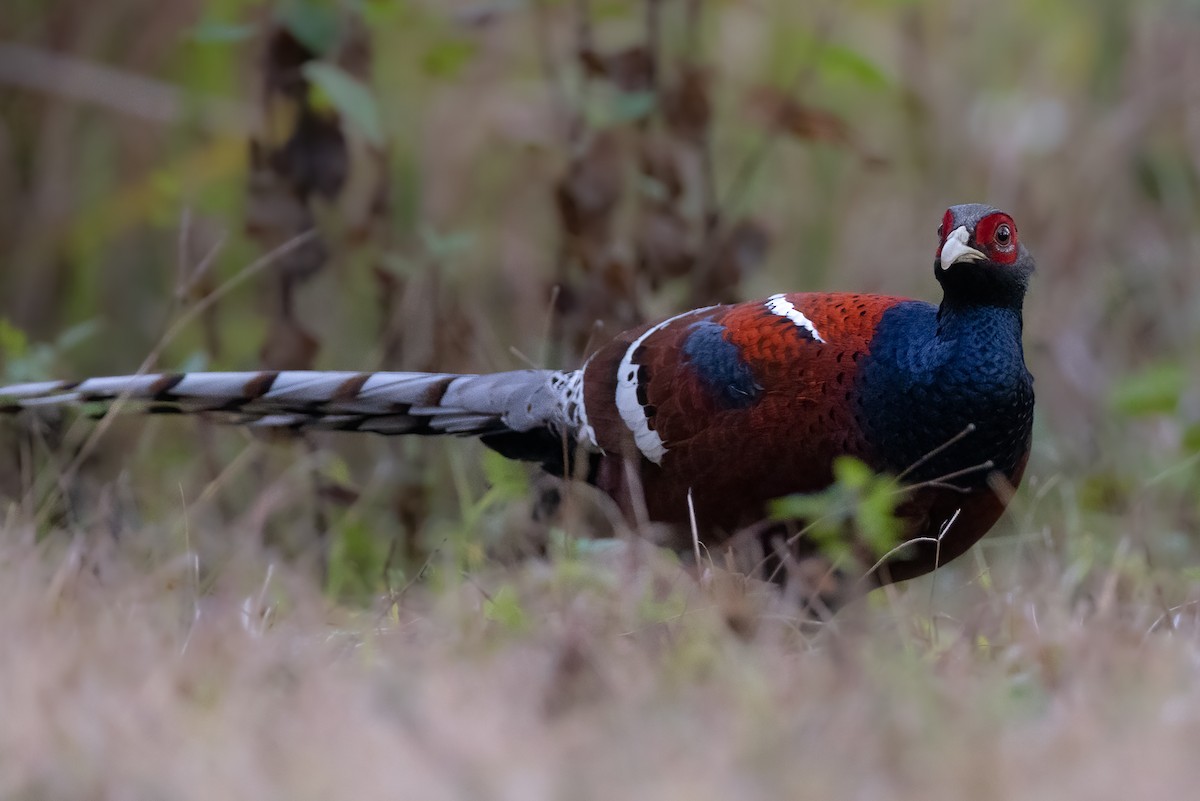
[842,61]
[858,505]
[509,479]
[1191,439]
[852,473]
[336,470]
[876,517]
[504,607]
[609,9]
[313,23]
[194,362]
[377,13]
[633,106]
[800,507]
[446,58]
[13,342]
[216,32]
[1103,491]
[27,361]
[1155,390]
[444,246]
[656,609]
[356,560]
[76,335]
[350,97]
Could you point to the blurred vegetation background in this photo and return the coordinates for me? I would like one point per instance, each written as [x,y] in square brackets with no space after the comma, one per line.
[495,183]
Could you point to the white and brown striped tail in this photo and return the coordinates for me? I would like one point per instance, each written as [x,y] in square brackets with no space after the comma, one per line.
[383,402]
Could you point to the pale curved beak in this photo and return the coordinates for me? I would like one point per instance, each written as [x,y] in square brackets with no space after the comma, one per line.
[956,248]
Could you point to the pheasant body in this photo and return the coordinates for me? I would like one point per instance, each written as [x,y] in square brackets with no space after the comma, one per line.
[732,405]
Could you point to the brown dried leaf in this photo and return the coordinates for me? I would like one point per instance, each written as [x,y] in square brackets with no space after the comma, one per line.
[411,507]
[300,154]
[270,207]
[354,48]
[659,160]
[313,160]
[686,105]
[388,287]
[304,160]
[288,346]
[590,190]
[619,284]
[283,59]
[630,70]
[337,493]
[607,295]
[365,198]
[389,296]
[300,263]
[455,335]
[664,244]
[305,149]
[740,252]
[787,115]
[594,63]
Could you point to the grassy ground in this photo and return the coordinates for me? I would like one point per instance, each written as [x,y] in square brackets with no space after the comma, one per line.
[196,612]
[577,679]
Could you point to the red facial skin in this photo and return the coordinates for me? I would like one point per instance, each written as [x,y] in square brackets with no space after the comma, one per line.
[995,236]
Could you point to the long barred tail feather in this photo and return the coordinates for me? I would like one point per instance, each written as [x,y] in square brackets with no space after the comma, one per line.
[381,402]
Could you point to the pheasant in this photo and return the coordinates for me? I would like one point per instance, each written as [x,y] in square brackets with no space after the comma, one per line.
[716,411]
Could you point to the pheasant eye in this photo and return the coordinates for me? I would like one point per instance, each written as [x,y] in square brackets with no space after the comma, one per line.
[1003,235]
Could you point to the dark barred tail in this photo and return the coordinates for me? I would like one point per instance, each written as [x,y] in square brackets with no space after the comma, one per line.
[497,404]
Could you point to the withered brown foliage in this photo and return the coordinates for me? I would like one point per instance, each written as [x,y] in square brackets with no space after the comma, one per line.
[307,157]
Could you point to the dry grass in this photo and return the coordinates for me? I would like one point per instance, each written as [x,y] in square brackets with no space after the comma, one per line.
[618,680]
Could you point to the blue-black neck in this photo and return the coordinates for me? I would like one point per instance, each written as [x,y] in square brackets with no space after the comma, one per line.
[975,285]
[959,323]
[933,373]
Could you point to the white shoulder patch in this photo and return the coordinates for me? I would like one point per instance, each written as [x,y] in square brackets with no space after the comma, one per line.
[630,408]
[778,304]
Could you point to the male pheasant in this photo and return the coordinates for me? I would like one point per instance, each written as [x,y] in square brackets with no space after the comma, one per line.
[734,404]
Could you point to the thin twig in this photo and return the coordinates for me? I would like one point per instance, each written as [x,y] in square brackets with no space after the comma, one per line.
[40,70]
[898,548]
[695,529]
[1168,616]
[636,493]
[559,101]
[181,255]
[937,562]
[811,595]
[172,331]
[320,509]
[941,481]
[654,45]
[970,429]
[721,209]
[754,160]
[692,25]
